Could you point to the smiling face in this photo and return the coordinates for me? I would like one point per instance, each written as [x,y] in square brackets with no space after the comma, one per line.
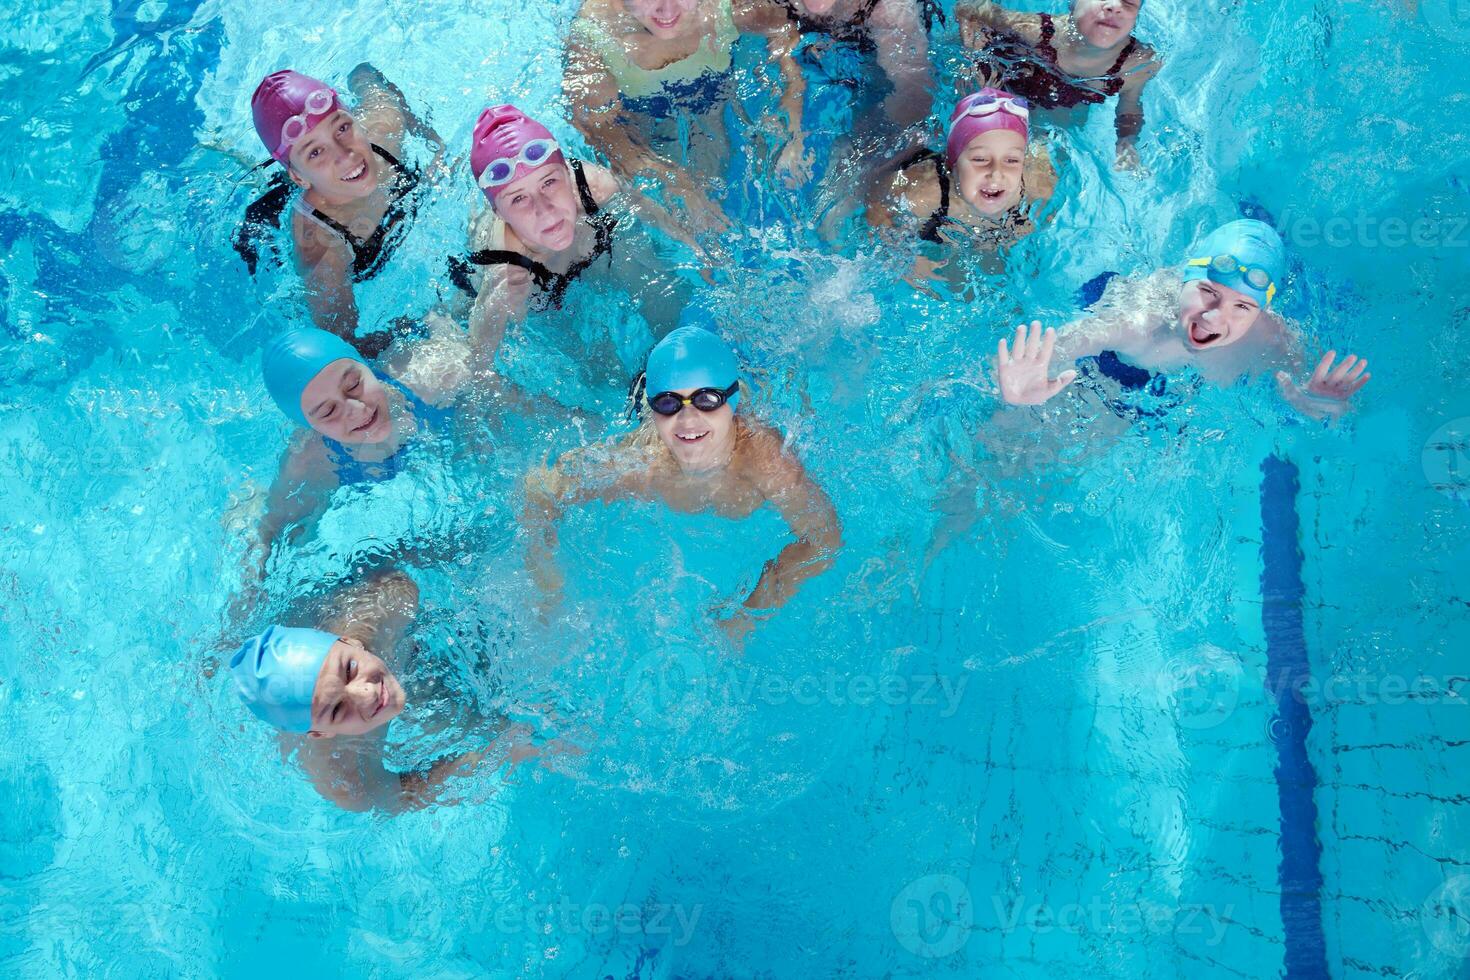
[988,173]
[1105,23]
[355,692]
[347,403]
[664,19]
[700,441]
[335,159]
[541,207]
[1212,315]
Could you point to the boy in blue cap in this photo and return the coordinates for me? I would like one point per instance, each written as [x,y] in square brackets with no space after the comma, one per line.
[694,453]
[331,696]
[1215,316]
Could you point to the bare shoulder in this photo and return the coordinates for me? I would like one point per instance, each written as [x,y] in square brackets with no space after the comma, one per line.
[895,15]
[1143,64]
[763,453]
[314,241]
[917,186]
[601,182]
[306,459]
[758,15]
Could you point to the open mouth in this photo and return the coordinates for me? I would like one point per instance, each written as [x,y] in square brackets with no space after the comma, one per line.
[992,195]
[690,437]
[1201,335]
[357,174]
[372,421]
[667,25]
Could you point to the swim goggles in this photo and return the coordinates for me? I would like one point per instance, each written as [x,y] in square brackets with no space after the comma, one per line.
[1229,265]
[705,399]
[318,103]
[989,105]
[502,170]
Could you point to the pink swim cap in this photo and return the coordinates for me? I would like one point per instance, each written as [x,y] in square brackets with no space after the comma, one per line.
[964,127]
[502,134]
[284,97]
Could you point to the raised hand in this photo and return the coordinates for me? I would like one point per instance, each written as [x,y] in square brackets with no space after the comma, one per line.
[1023,372]
[1330,389]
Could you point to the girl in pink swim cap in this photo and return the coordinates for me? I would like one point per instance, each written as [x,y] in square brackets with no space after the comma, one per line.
[356,199]
[982,189]
[551,219]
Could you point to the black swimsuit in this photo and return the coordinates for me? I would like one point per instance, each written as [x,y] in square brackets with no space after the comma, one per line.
[553,285]
[1034,72]
[855,31]
[929,232]
[368,255]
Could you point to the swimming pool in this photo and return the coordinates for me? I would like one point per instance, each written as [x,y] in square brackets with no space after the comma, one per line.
[1060,747]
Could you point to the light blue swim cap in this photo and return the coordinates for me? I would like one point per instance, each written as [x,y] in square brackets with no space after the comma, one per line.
[275,674]
[293,358]
[692,357]
[1254,245]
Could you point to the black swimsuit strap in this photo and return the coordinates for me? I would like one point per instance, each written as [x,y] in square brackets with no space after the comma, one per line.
[365,252]
[589,203]
[553,284]
[1044,47]
[1117,68]
[930,230]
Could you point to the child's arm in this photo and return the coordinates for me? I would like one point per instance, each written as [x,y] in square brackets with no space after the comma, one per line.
[300,491]
[596,113]
[770,21]
[1041,176]
[808,512]
[505,295]
[1130,110]
[980,20]
[386,111]
[1329,391]
[1023,367]
[579,477]
[903,54]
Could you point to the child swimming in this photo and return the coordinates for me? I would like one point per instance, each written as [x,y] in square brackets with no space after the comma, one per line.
[1065,63]
[1214,315]
[985,187]
[892,31]
[695,454]
[357,424]
[648,77]
[331,692]
[550,221]
[357,198]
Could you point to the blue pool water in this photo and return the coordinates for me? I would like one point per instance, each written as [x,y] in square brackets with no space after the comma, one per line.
[1187,699]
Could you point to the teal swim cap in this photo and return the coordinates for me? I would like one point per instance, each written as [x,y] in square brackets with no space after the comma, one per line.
[275,674]
[691,357]
[293,358]
[1259,254]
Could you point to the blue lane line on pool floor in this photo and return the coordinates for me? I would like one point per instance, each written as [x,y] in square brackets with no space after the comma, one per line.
[1300,871]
